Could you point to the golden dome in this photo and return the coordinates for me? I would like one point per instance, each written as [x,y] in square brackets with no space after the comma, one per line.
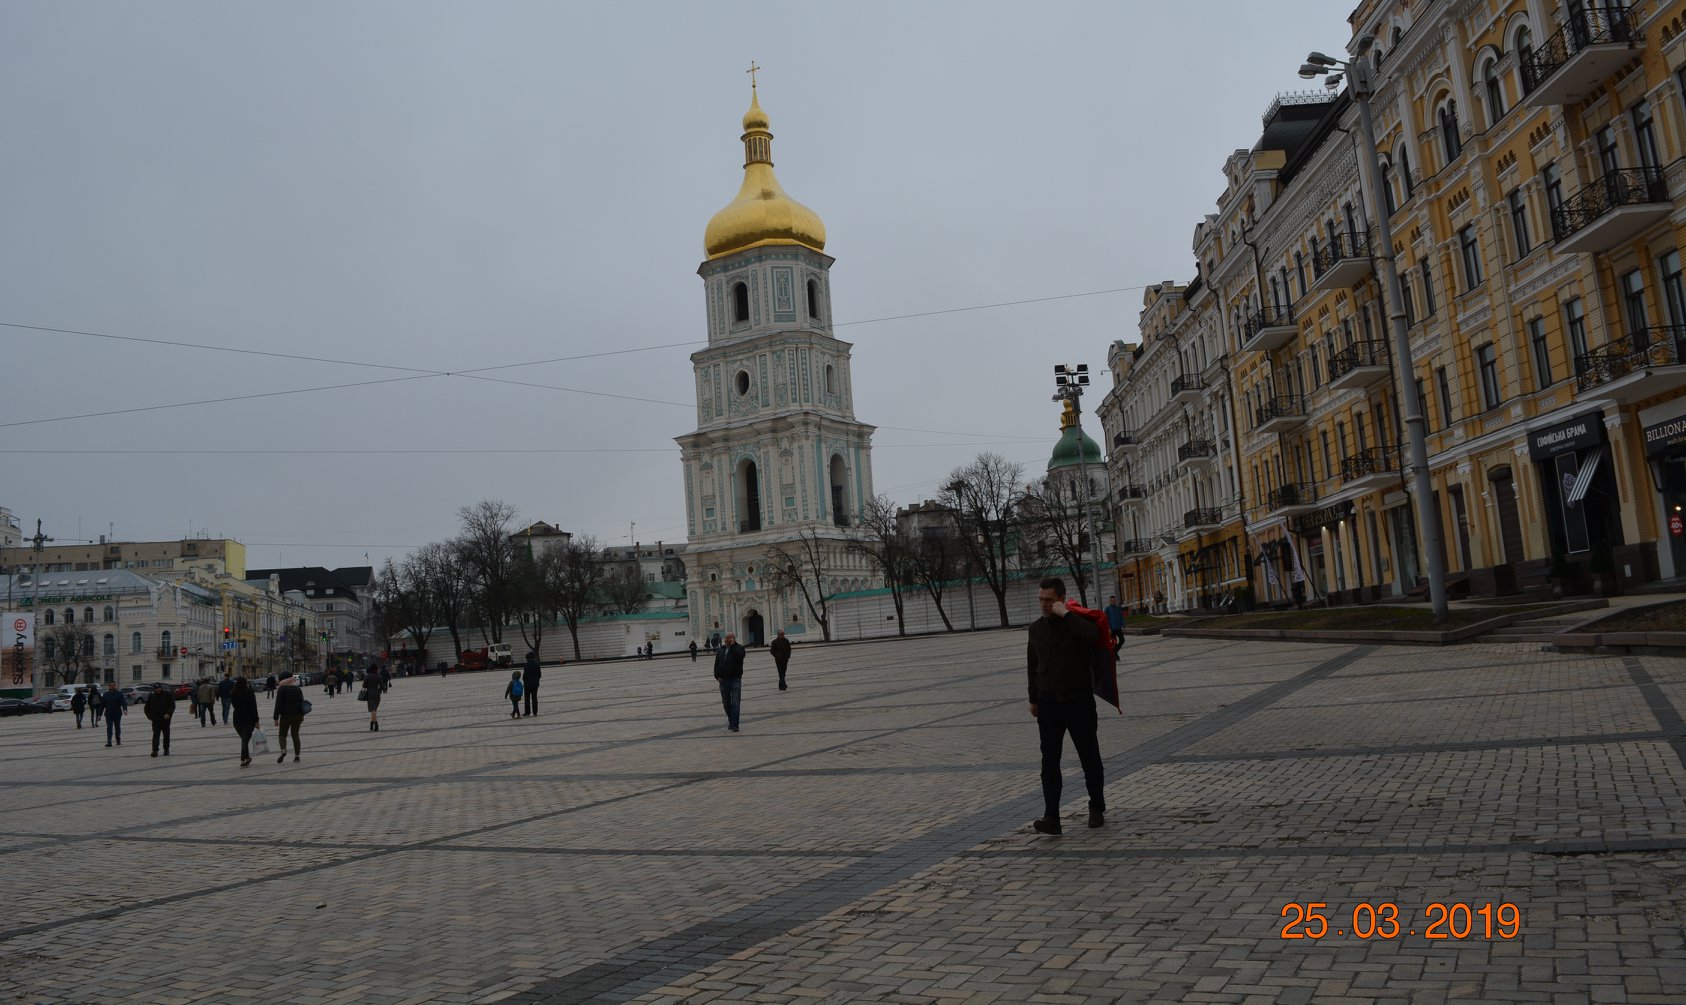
[762,213]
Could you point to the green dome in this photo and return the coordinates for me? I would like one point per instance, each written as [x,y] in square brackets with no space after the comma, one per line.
[1066,452]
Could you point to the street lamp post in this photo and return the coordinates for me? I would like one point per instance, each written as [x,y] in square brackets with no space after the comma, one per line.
[1071,380]
[1361,82]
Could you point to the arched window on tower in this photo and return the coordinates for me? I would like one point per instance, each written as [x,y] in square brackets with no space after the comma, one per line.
[839,493]
[740,302]
[830,379]
[1449,137]
[813,299]
[748,493]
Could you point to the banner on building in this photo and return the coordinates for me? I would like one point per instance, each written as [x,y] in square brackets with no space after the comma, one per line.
[20,649]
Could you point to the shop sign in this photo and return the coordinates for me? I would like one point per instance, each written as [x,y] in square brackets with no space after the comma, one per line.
[1676,526]
[87,598]
[1665,437]
[1330,514]
[1584,430]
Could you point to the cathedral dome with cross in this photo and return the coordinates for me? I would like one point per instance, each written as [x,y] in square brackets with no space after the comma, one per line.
[762,213]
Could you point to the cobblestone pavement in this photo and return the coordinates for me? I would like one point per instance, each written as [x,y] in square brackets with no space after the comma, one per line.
[865,838]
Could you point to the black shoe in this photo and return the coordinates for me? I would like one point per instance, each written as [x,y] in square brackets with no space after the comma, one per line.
[166,751]
[283,757]
[732,728]
[295,758]
[783,688]
[1046,825]
[155,753]
[1097,818]
[108,744]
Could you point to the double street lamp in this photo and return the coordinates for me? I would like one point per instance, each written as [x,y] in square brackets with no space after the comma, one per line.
[1070,380]
[1359,74]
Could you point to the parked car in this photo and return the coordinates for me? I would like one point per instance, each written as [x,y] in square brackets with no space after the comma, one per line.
[60,702]
[45,702]
[14,706]
[135,695]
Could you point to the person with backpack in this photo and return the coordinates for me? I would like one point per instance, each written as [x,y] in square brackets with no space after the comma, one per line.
[513,693]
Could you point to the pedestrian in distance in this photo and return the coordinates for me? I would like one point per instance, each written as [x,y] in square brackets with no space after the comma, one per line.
[1115,619]
[245,717]
[531,674]
[781,656]
[1062,701]
[728,671]
[269,685]
[513,693]
[95,704]
[289,715]
[386,678]
[114,704]
[205,695]
[79,705]
[225,691]
[160,708]
[371,696]
[693,648]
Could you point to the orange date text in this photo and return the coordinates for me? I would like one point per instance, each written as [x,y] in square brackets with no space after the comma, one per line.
[1386,920]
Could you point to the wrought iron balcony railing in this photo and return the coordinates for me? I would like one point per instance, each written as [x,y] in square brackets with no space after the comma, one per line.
[1196,449]
[1188,382]
[1299,494]
[1123,439]
[1283,406]
[1135,546]
[1587,26]
[1370,461]
[1206,516]
[1664,346]
[1627,187]
[1340,249]
[1371,352]
[1131,492]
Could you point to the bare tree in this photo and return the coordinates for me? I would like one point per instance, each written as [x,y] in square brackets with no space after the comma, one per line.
[985,497]
[574,574]
[446,590]
[69,649]
[408,602]
[889,549]
[933,561]
[1052,517]
[802,564]
[491,562]
[544,585]
[623,589]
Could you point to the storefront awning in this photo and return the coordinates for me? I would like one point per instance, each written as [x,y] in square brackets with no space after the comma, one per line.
[1583,480]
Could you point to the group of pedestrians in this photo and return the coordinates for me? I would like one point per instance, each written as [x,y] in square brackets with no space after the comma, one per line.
[524,687]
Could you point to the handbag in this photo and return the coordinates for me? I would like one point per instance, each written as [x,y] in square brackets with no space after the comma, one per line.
[259,742]
[363,695]
[307,708]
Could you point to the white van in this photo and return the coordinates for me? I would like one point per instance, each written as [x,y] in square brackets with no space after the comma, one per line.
[500,654]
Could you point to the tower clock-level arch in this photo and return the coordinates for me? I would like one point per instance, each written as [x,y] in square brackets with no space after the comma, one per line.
[778,454]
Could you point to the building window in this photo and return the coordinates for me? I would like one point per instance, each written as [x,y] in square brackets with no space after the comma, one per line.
[1633,302]
[1405,173]
[164,641]
[1645,135]
[1470,250]
[47,616]
[1428,290]
[1487,366]
[87,615]
[1574,329]
[1406,302]
[135,642]
[1674,291]
[813,299]
[1422,402]
[1524,46]
[1519,223]
[1445,387]
[1449,131]
[70,615]
[740,302]
[1299,271]
[1609,160]
[1390,202]
[1495,93]
[109,648]
[110,613]
[87,645]
[51,646]
[1552,182]
[1542,351]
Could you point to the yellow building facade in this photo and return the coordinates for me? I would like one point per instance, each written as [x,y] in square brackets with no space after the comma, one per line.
[1534,175]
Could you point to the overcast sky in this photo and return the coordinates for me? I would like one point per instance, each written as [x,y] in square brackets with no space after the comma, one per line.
[410,190]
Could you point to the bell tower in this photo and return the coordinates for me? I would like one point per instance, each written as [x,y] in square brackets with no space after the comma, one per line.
[777,452]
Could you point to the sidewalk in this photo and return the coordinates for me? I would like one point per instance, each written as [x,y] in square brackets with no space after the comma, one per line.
[865,838]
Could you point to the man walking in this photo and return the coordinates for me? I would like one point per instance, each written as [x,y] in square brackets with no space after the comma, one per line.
[206,697]
[225,691]
[1062,701]
[530,674]
[728,670]
[160,706]
[781,656]
[79,704]
[1115,620]
[112,703]
[693,650]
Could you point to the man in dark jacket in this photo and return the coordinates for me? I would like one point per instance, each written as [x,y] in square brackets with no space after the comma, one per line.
[205,697]
[530,676]
[1062,700]
[225,691]
[781,656]
[728,670]
[79,705]
[160,706]
[289,714]
[113,703]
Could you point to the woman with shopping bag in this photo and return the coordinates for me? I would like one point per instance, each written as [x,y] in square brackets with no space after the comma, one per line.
[245,702]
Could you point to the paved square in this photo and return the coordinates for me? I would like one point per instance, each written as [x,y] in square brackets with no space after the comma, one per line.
[865,838]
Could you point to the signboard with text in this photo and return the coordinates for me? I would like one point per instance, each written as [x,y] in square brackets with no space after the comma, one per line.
[20,649]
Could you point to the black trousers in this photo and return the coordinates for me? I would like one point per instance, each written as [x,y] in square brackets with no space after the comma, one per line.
[1053,720]
[531,695]
[781,664]
[160,728]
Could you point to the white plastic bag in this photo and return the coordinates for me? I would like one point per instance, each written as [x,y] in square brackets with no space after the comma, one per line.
[260,742]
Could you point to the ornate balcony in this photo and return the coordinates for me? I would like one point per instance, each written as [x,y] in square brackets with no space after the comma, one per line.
[1189,387]
[1291,499]
[1341,264]
[1271,328]
[1594,43]
[1134,546]
[1370,469]
[1611,211]
[1123,443]
[1207,518]
[1197,452]
[1358,365]
[1640,365]
[1279,414]
[1132,495]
